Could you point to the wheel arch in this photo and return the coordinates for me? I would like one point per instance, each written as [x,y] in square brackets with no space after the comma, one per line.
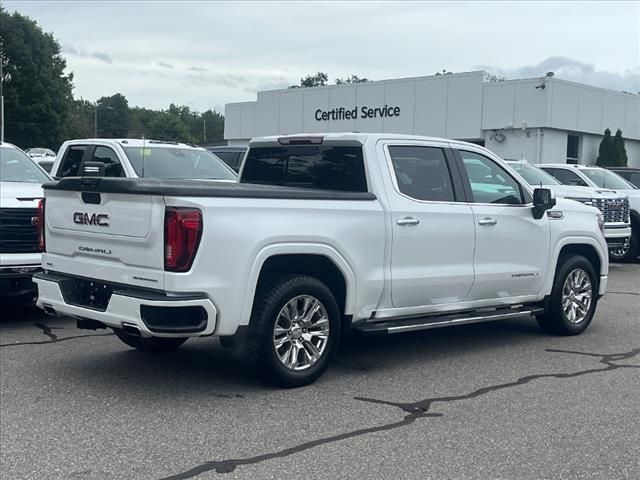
[318,260]
[588,248]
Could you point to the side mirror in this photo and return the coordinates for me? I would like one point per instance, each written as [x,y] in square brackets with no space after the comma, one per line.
[543,199]
[93,169]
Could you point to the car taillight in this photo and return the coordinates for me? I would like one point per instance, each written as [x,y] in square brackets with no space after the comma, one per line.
[38,221]
[182,232]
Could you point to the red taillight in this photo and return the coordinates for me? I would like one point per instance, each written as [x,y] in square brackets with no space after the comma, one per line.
[38,221]
[182,232]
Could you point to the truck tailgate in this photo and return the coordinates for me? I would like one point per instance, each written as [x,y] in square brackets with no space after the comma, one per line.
[114,237]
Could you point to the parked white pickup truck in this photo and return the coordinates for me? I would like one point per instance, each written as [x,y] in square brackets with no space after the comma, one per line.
[323,234]
[136,158]
[596,177]
[613,206]
[20,192]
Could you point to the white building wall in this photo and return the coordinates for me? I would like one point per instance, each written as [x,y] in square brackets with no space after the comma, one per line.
[534,121]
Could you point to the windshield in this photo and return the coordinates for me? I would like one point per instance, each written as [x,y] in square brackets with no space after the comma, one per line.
[606,179]
[533,175]
[40,152]
[164,162]
[15,166]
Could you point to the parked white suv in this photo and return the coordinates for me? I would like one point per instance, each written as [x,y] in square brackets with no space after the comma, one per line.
[20,192]
[381,233]
[596,177]
[136,158]
[614,206]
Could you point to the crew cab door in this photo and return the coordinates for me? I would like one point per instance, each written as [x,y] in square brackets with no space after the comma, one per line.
[432,229]
[511,247]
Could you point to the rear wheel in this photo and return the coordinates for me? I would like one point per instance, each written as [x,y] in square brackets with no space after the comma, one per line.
[295,327]
[153,344]
[573,298]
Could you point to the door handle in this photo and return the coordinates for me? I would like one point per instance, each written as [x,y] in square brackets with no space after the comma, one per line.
[408,221]
[487,221]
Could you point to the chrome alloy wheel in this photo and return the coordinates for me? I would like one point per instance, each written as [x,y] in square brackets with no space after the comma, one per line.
[576,296]
[621,251]
[301,332]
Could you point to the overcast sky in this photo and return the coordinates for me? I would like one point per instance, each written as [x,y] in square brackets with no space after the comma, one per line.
[205,54]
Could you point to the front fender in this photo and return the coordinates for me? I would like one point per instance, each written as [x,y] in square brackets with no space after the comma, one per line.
[598,244]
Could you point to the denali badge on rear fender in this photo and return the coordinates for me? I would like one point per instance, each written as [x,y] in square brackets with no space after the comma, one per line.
[100,219]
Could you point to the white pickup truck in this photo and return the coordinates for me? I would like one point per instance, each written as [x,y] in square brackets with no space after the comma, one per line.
[322,234]
[137,158]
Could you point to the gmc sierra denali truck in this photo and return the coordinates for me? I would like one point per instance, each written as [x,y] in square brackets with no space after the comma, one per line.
[613,206]
[321,235]
[597,177]
[20,192]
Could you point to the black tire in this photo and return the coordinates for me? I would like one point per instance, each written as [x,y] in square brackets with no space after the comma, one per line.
[153,344]
[260,351]
[629,254]
[555,320]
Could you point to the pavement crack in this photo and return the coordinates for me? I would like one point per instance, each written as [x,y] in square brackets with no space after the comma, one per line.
[625,293]
[55,340]
[414,411]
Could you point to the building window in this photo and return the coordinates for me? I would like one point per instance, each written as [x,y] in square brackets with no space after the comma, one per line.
[573,146]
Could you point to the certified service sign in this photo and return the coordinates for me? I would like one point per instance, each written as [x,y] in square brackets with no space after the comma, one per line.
[365,111]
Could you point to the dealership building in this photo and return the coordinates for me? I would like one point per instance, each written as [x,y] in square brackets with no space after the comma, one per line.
[540,119]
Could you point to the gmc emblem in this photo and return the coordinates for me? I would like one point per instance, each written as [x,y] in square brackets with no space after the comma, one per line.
[100,219]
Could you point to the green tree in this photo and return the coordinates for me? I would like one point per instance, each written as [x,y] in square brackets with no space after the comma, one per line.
[606,151]
[167,125]
[351,79]
[620,149]
[112,116]
[320,79]
[80,121]
[37,91]
[214,122]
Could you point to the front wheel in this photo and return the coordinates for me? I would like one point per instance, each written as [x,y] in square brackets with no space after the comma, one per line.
[573,298]
[294,329]
[627,252]
[153,344]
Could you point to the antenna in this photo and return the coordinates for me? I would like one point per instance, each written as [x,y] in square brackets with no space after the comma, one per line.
[144,143]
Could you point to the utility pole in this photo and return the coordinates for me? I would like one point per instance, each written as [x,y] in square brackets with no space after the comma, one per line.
[204,129]
[1,93]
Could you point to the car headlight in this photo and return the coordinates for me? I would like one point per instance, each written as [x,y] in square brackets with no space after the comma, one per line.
[600,218]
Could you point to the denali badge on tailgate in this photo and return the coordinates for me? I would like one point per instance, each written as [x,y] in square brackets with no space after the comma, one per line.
[100,219]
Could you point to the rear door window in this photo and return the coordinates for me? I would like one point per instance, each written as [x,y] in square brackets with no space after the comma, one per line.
[106,156]
[71,162]
[422,173]
[320,167]
[566,177]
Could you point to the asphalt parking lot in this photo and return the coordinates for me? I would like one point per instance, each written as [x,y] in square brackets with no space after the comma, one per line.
[499,400]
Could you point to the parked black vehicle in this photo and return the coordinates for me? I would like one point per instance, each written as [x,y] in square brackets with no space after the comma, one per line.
[232,156]
[630,174]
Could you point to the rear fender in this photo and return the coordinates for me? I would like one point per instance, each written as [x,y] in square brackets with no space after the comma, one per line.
[302,249]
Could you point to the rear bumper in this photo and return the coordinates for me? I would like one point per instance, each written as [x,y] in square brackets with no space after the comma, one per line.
[154,314]
[15,280]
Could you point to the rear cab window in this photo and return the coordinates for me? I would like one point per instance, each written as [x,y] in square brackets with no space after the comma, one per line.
[109,158]
[72,161]
[322,167]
